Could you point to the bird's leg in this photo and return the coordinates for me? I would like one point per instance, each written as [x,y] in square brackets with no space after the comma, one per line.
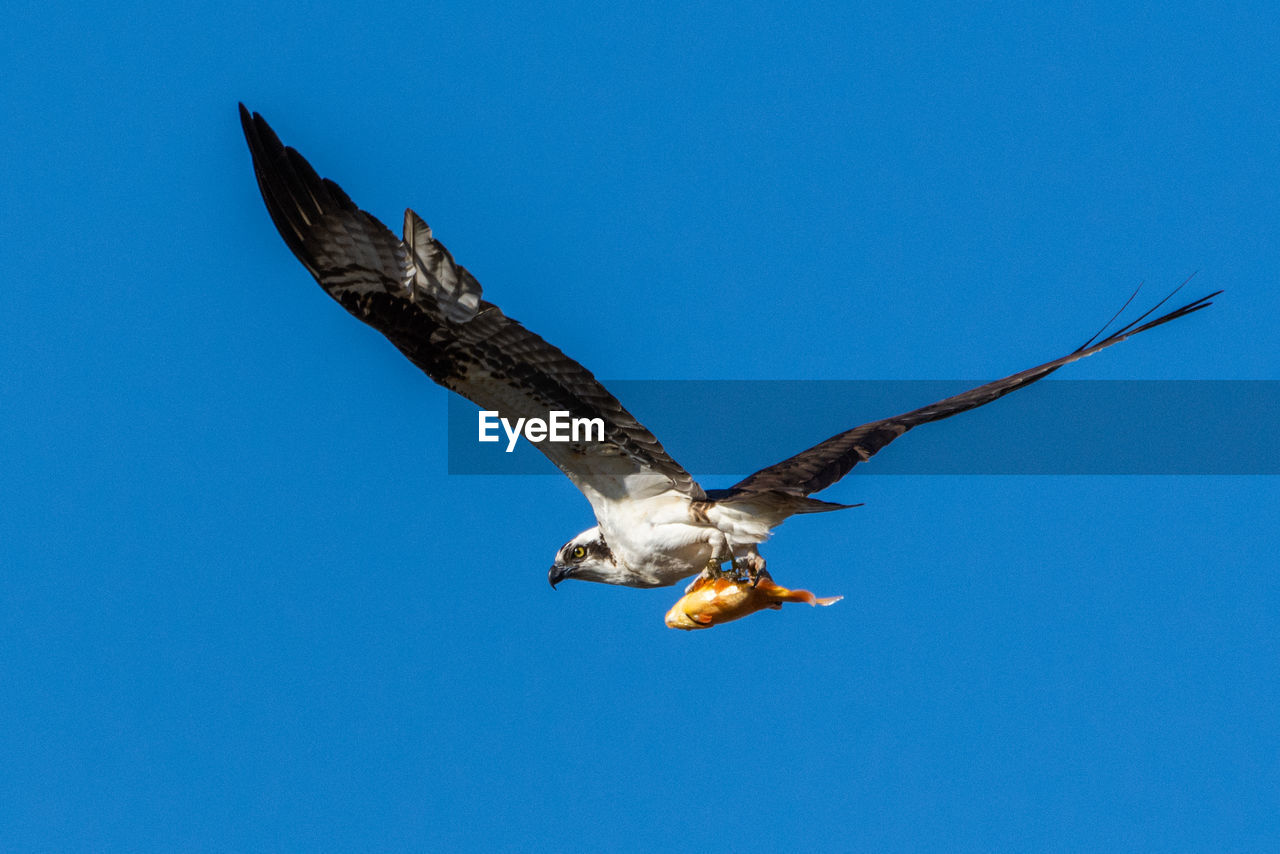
[720,553]
[751,565]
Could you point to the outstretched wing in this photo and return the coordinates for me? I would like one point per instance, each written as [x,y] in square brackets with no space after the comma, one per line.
[825,463]
[430,308]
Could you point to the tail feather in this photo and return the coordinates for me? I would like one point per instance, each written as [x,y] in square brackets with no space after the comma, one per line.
[775,504]
[817,505]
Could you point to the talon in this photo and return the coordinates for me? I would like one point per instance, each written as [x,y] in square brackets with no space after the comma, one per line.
[753,565]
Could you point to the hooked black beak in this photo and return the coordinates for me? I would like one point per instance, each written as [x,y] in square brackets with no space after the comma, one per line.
[559,572]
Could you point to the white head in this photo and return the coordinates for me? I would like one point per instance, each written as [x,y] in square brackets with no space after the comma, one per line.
[586,557]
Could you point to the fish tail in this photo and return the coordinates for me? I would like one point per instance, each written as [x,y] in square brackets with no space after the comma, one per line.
[782,594]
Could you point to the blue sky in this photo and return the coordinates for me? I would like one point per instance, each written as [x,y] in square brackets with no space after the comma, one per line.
[244,607]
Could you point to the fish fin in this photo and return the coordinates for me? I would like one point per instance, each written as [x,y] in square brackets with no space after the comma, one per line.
[771,588]
[698,583]
[826,600]
[705,619]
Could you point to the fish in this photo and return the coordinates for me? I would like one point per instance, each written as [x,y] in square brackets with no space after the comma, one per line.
[711,601]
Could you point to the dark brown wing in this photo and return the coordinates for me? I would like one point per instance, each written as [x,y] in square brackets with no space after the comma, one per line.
[465,344]
[825,463]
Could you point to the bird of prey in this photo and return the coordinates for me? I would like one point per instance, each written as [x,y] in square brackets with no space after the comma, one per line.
[655,524]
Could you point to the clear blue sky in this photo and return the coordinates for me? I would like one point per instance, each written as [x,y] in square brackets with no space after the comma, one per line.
[243,606]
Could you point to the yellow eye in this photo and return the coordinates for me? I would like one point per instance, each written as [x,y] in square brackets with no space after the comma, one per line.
[579,552]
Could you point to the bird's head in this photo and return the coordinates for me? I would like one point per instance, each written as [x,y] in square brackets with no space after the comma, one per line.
[586,557]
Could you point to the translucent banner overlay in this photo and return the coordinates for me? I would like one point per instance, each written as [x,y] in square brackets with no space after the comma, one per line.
[729,427]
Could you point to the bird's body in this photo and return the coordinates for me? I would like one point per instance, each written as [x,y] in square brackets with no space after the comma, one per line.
[659,542]
[655,524]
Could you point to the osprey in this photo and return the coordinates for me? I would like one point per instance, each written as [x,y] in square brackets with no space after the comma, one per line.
[655,524]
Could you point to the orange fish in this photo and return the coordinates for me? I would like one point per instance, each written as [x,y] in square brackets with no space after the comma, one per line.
[713,601]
